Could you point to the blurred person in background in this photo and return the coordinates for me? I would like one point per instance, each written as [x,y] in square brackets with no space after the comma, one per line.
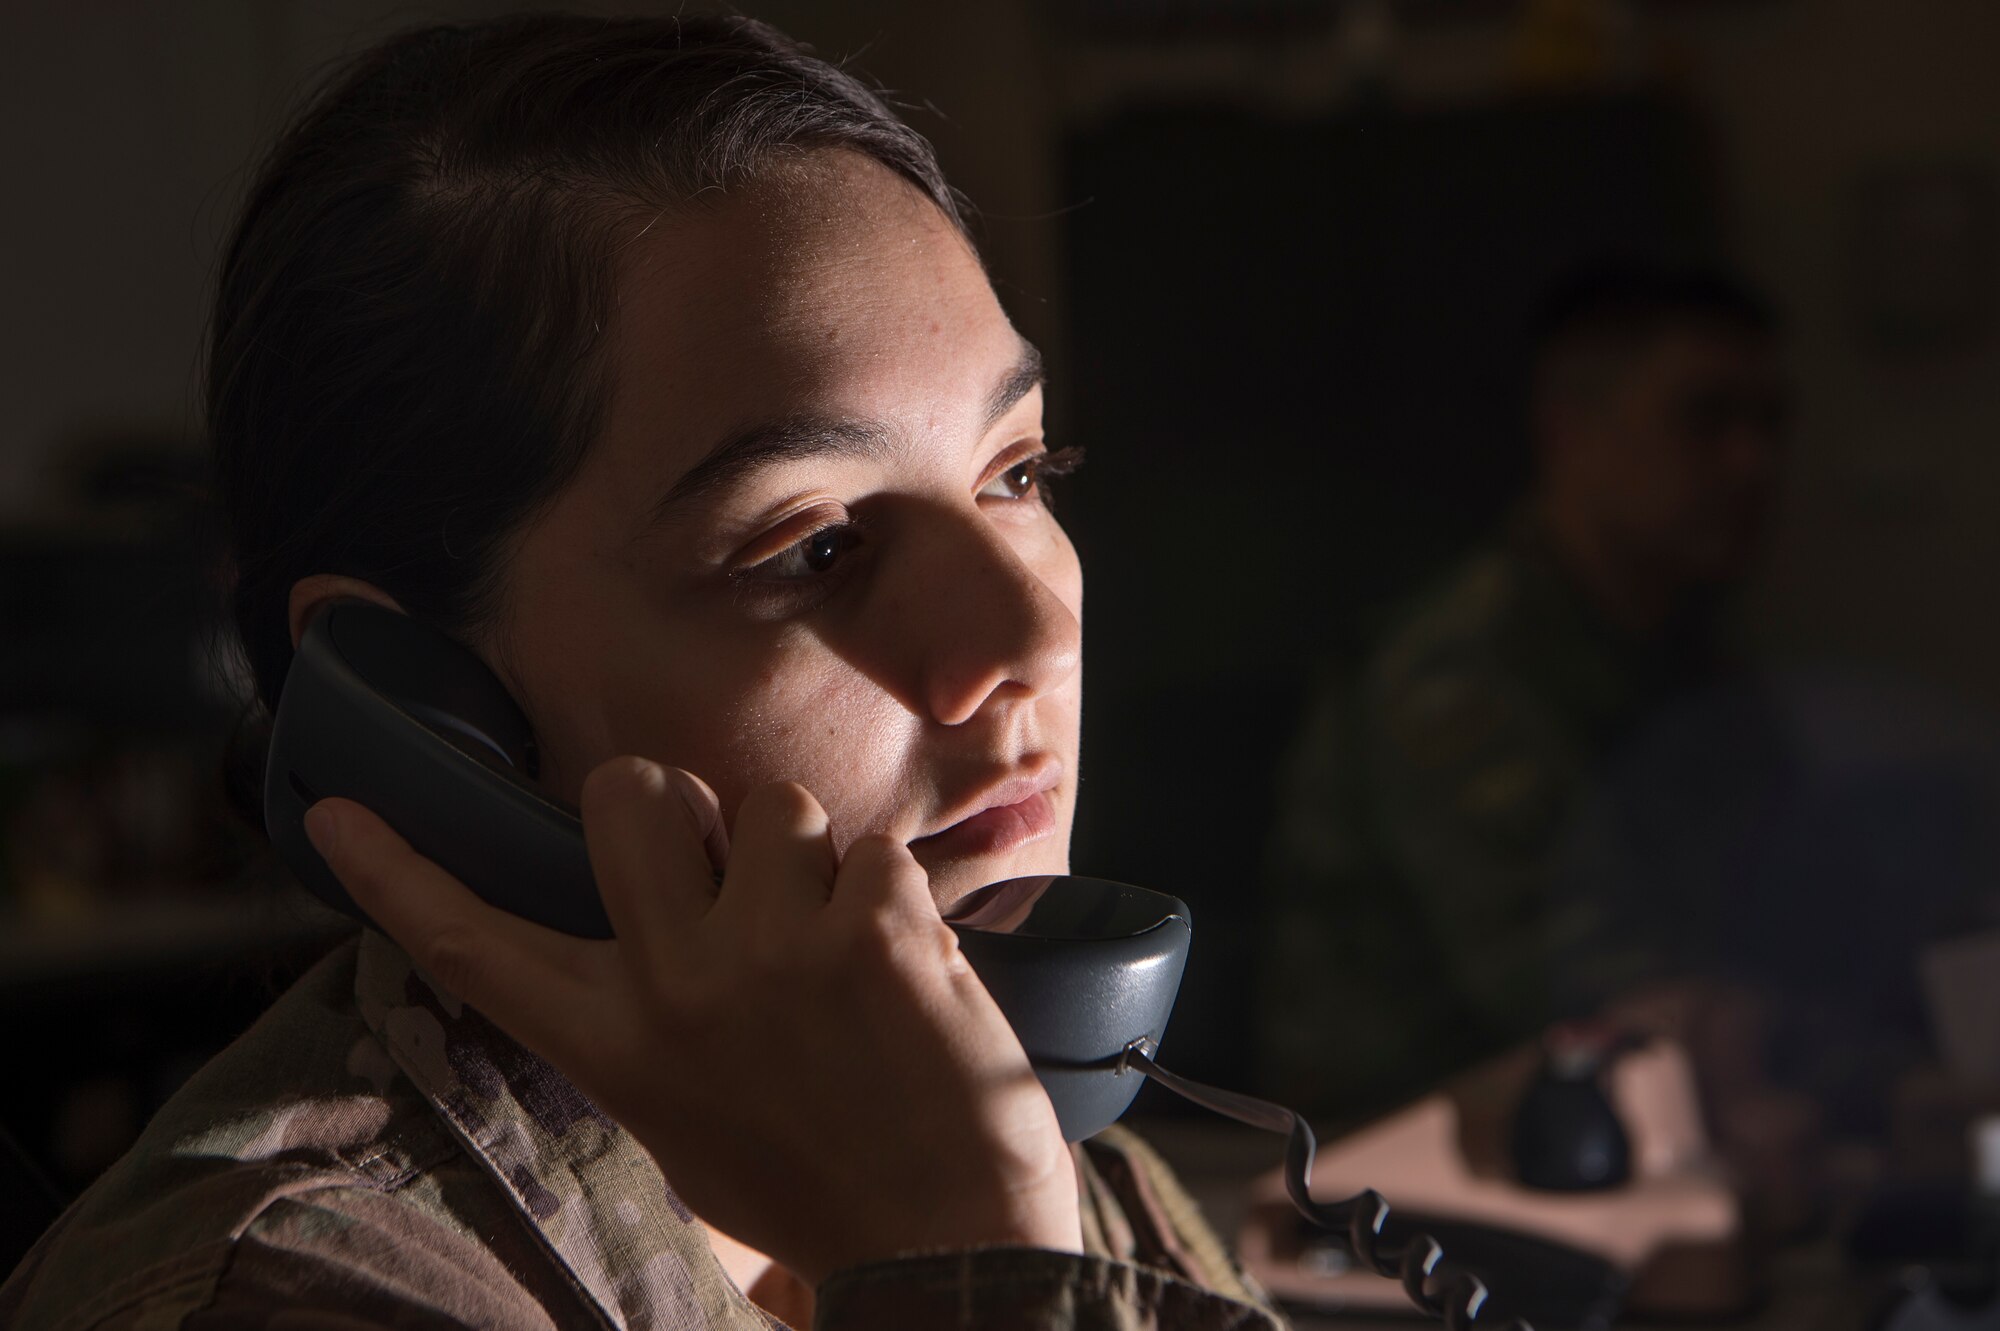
[1420,919]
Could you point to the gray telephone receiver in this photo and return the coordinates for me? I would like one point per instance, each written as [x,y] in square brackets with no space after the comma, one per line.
[385,710]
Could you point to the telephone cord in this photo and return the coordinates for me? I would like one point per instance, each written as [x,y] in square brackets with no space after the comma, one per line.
[1418,1264]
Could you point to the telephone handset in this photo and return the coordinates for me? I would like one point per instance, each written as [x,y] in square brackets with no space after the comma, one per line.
[385,710]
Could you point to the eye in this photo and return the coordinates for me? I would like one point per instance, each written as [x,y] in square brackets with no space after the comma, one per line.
[812,556]
[1030,475]
[1017,482]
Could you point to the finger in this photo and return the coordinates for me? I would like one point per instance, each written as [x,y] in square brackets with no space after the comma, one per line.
[703,803]
[881,889]
[879,873]
[519,974]
[646,851]
[780,856]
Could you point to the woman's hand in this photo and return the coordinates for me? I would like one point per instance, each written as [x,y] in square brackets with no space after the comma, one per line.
[806,1054]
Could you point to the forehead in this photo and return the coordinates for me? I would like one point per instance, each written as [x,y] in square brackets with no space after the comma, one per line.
[828,285]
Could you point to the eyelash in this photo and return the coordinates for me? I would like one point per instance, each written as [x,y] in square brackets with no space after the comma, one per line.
[1045,467]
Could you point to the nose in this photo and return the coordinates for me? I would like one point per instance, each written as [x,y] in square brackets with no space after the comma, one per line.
[1752,455]
[994,627]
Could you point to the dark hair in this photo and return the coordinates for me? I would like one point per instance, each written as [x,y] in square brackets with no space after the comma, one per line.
[1632,300]
[406,356]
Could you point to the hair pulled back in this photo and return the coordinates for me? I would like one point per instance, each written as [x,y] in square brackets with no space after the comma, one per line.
[406,353]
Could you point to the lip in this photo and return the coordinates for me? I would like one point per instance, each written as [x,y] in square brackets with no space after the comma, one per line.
[1002,817]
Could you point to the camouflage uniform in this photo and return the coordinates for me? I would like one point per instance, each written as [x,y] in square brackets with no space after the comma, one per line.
[1418,918]
[372,1152]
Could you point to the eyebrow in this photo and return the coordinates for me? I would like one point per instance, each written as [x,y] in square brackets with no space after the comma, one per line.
[794,439]
[1026,376]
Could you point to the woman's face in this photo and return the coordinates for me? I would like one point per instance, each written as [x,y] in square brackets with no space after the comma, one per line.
[806,546]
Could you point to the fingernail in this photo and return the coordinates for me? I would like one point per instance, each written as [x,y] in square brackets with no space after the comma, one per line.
[701,805]
[690,795]
[322,829]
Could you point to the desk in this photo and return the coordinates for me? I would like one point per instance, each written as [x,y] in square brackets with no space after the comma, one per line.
[1810,1287]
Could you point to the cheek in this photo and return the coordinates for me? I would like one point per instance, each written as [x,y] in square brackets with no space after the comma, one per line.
[785,726]
[1070,586]
[798,714]
[1055,561]
[743,711]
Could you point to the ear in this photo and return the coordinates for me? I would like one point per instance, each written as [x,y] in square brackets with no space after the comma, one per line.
[311,592]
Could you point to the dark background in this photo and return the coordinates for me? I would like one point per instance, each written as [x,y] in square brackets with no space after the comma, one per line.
[1280,257]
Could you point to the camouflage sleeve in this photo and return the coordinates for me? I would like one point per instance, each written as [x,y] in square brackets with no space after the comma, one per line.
[1151,1263]
[1026,1289]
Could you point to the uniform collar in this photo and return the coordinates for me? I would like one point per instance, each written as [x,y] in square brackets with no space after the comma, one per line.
[578,1180]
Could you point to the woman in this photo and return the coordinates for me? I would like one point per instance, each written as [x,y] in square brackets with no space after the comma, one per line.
[651,360]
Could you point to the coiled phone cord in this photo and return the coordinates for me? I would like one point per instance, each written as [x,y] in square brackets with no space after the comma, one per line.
[1417,1264]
